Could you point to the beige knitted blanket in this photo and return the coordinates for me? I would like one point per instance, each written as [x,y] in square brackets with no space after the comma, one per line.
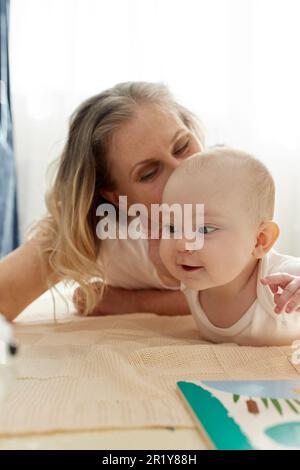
[121,371]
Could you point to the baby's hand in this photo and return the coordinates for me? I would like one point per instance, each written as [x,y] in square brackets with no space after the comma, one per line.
[288,297]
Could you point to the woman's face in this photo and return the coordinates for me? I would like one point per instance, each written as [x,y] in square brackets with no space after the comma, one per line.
[145,151]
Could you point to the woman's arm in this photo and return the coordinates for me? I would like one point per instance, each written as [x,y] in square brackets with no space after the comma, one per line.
[162,302]
[116,301]
[23,278]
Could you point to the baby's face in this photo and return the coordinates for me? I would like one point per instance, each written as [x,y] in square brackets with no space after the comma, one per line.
[229,239]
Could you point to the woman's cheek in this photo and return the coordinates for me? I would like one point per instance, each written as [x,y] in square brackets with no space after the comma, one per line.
[151,194]
[166,253]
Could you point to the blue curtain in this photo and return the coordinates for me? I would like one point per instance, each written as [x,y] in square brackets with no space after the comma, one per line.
[9,237]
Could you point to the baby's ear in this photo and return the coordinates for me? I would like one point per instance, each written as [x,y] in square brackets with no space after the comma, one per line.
[267,235]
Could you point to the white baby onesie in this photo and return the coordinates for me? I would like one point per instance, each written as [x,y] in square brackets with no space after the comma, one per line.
[260,325]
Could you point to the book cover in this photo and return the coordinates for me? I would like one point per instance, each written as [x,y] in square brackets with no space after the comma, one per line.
[245,415]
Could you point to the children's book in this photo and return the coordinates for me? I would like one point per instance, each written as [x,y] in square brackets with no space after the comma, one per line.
[245,415]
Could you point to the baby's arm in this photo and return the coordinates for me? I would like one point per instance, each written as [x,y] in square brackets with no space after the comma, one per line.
[286,290]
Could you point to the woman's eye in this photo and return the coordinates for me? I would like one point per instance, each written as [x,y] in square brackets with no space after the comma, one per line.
[182,148]
[148,175]
[206,229]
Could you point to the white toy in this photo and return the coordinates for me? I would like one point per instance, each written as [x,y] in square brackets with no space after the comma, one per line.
[8,351]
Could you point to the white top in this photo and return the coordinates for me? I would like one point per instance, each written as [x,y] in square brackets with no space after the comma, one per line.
[126,264]
[260,325]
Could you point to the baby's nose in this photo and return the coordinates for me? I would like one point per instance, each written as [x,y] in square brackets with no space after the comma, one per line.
[182,245]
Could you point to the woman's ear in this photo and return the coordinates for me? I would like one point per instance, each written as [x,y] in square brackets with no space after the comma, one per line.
[111,196]
[267,235]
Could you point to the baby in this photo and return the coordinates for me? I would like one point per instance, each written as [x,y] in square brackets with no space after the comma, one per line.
[238,288]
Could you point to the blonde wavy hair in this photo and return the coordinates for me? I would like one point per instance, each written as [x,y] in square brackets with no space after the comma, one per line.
[67,234]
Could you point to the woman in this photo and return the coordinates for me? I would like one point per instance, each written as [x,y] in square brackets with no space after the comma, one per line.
[125,141]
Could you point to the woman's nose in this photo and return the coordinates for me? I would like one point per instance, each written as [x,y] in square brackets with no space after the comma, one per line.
[173,163]
[170,165]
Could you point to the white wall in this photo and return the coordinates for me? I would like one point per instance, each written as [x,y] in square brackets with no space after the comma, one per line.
[234,62]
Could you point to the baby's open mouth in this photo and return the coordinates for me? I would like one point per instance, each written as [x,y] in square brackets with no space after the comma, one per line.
[190,268]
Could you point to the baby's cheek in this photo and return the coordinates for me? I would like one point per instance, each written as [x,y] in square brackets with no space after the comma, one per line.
[227,265]
[218,261]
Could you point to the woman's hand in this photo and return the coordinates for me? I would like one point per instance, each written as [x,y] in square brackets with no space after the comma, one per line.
[114,301]
[289,298]
[117,301]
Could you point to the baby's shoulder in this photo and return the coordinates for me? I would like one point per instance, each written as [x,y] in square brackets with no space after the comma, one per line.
[281,263]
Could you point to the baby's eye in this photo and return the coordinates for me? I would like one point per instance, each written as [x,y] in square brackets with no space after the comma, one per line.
[170,229]
[206,229]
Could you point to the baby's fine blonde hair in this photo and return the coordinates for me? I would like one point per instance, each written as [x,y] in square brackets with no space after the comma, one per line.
[242,170]
[67,234]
